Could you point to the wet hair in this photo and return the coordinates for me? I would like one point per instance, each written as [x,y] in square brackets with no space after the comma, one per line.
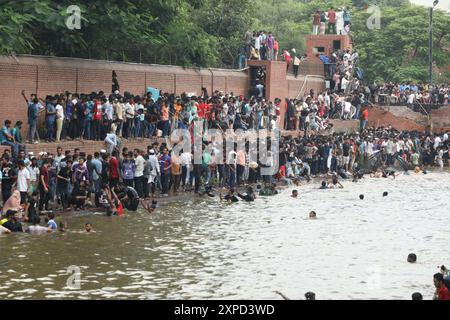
[412,258]
[417,296]
[310,296]
[324,183]
[385,194]
[51,215]
[438,277]
[361,196]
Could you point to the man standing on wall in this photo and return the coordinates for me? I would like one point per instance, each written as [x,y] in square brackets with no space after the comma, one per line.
[364,119]
[316,22]
[331,21]
[33,110]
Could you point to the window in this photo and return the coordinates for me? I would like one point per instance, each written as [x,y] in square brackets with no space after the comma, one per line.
[337,44]
[319,49]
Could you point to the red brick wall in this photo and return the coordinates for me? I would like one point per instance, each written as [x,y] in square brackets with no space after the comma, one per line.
[49,75]
[326,41]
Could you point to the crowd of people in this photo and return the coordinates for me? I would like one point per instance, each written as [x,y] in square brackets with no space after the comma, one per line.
[117,181]
[332,22]
[410,93]
[261,45]
[74,180]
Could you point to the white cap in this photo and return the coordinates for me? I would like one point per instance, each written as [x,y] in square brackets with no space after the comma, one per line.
[31,153]
[152,151]
[103,151]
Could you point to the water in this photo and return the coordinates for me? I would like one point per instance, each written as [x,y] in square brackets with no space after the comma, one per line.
[203,249]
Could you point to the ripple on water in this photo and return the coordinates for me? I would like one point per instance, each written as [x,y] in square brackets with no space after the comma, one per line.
[202,250]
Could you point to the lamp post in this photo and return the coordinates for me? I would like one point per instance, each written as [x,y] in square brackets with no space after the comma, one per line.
[430,43]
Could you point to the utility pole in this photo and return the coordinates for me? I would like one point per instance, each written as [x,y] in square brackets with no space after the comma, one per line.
[430,42]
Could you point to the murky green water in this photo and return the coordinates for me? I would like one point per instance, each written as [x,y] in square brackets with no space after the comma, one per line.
[204,249]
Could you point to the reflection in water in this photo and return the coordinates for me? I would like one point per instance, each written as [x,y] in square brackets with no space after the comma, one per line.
[203,249]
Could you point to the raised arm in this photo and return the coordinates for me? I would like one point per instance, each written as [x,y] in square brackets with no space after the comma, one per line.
[24,96]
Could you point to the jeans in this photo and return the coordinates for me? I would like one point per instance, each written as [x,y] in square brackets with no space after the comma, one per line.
[331,28]
[139,183]
[6,191]
[14,147]
[165,127]
[239,174]
[63,193]
[87,129]
[50,124]
[137,127]
[362,125]
[44,198]
[32,131]
[184,175]
[129,182]
[165,182]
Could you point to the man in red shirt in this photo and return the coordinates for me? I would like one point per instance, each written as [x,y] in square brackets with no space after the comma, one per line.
[364,119]
[442,292]
[44,196]
[331,21]
[114,174]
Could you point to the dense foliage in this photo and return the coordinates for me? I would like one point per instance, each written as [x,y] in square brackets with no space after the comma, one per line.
[210,33]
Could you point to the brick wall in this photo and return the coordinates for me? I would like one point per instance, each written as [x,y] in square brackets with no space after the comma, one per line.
[51,75]
[326,41]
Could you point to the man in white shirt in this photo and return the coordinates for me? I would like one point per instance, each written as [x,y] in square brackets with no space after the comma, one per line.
[34,174]
[153,159]
[186,159]
[437,142]
[111,141]
[118,114]
[59,120]
[23,181]
[139,173]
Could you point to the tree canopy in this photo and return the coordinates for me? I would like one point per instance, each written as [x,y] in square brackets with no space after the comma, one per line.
[210,33]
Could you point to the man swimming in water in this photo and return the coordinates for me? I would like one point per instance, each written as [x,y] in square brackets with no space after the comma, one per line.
[88,227]
[294,194]
[230,197]
[150,207]
[249,196]
[313,215]
[335,182]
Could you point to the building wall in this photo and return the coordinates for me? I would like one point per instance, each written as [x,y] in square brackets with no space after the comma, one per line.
[51,75]
[326,41]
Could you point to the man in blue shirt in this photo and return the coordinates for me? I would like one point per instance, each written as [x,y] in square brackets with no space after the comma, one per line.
[50,119]
[96,175]
[89,107]
[7,139]
[326,62]
[33,110]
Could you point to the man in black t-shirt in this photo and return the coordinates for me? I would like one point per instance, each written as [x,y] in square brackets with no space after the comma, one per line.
[346,154]
[8,178]
[128,196]
[62,183]
[13,223]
